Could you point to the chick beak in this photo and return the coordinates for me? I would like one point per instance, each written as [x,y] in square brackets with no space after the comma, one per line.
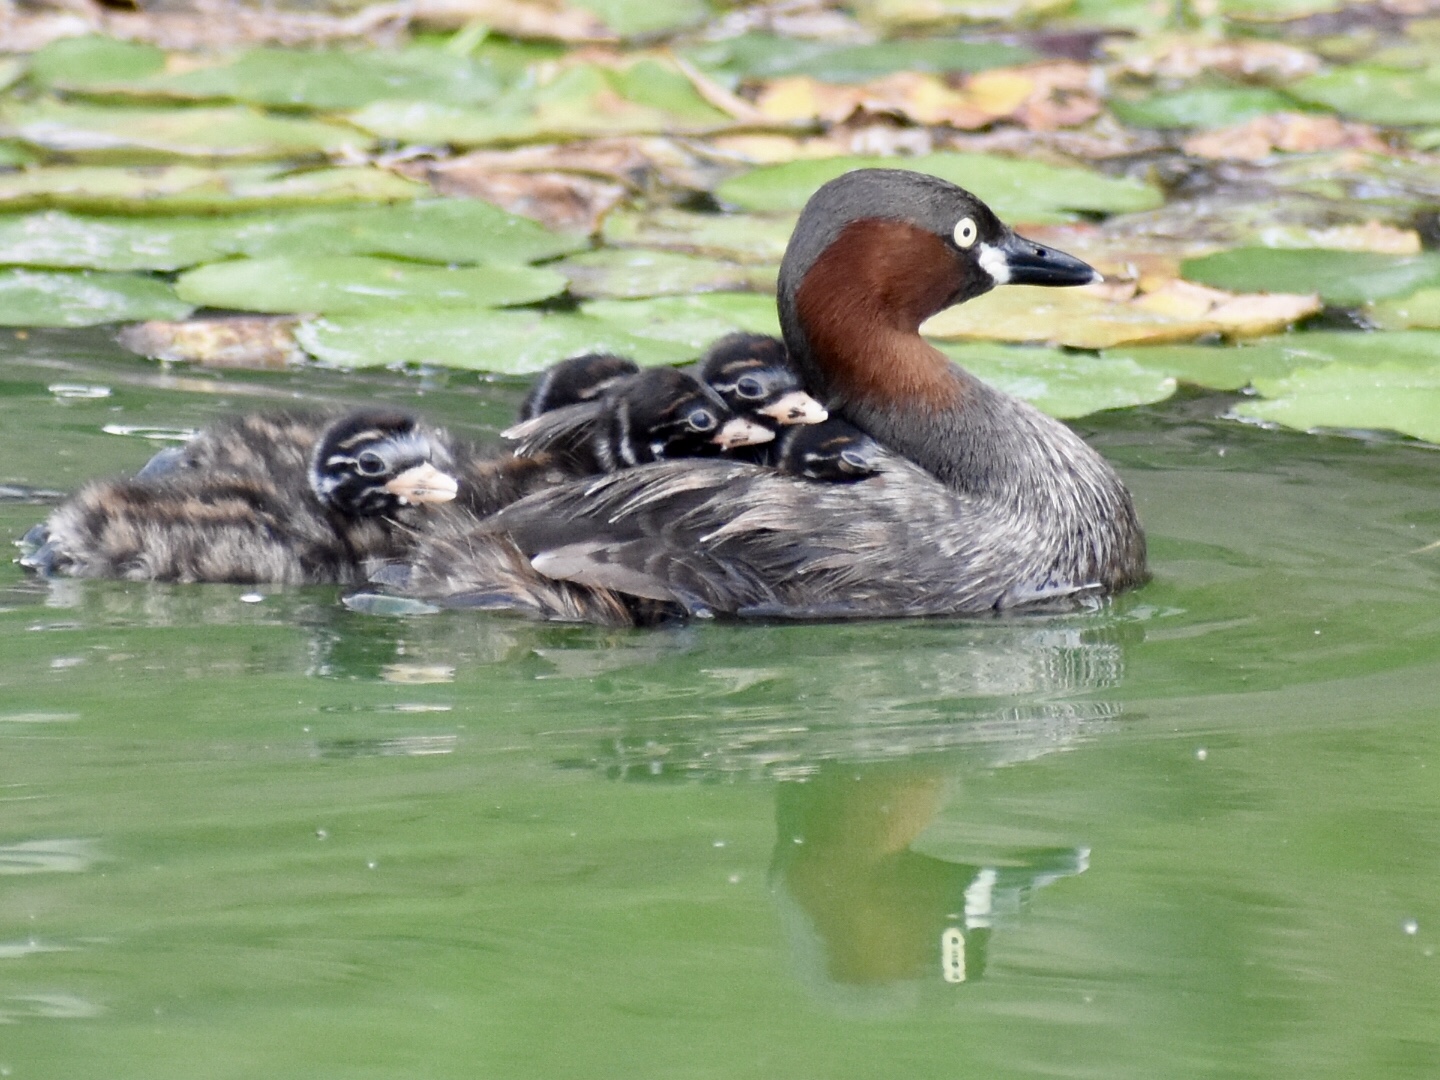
[1017,261]
[423,484]
[739,432]
[796,407]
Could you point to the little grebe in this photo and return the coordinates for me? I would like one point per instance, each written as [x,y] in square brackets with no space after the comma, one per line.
[980,502]
[278,497]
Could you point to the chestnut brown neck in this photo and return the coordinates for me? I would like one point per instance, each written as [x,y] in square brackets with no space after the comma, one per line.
[859,308]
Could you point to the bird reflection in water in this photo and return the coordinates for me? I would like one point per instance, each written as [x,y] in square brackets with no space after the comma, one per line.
[863,907]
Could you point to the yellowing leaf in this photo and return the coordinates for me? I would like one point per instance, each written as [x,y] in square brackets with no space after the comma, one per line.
[1088,319]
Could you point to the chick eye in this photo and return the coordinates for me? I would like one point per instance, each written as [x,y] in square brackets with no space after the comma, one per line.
[750,387]
[966,232]
[369,463]
[701,420]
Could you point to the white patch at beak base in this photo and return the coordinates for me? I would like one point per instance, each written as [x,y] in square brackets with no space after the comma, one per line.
[992,261]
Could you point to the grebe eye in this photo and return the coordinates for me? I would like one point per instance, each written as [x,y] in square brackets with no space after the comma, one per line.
[701,420]
[369,463]
[750,387]
[966,232]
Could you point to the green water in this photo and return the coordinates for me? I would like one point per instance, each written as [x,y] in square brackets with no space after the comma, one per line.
[1192,835]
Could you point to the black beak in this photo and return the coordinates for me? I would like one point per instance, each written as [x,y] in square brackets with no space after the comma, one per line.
[1030,263]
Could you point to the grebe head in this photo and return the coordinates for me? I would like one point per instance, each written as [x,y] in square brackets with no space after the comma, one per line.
[372,462]
[753,373]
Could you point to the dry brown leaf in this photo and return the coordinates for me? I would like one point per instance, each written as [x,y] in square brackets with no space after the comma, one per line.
[558,200]
[241,342]
[1298,133]
[532,19]
[1088,319]
[642,164]
[1371,236]
[1243,58]
[1039,96]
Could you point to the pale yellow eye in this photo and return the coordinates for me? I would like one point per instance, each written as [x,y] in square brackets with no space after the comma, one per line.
[966,232]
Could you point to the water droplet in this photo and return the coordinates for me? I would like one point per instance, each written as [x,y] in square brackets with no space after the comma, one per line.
[371,864]
[734,879]
[251,598]
[78,390]
[1201,754]
[718,843]
[1411,926]
[322,834]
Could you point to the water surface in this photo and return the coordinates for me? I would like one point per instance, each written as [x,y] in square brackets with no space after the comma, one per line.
[1194,834]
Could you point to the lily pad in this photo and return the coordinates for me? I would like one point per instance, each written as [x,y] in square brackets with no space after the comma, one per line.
[322,79]
[233,132]
[691,321]
[914,13]
[1019,191]
[451,231]
[1398,392]
[1419,309]
[1063,384]
[39,298]
[180,189]
[1379,95]
[54,238]
[1201,107]
[745,238]
[630,18]
[456,231]
[1217,367]
[584,99]
[508,342]
[79,62]
[1340,277]
[354,284]
[632,273]
[766,56]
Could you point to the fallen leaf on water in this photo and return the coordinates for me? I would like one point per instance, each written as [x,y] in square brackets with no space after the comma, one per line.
[1296,133]
[1089,319]
[1190,57]
[243,342]
[1039,96]
[555,199]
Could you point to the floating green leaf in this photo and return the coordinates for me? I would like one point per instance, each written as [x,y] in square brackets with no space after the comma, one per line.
[691,321]
[510,342]
[1400,392]
[79,62]
[232,132]
[38,298]
[1019,191]
[1419,309]
[180,189]
[639,272]
[1062,383]
[1340,277]
[1201,107]
[629,18]
[324,79]
[1218,367]
[583,99]
[451,231]
[766,56]
[1379,95]
[355,284]
[431,230]
[56,239]
[747,238]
